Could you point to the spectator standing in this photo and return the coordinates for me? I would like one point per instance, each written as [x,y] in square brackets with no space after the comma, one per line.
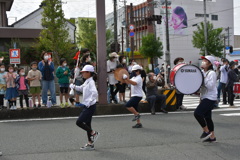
[22,87]
[63,74]
[11,92]
[46,66]
[3,85]
[144,76]
[121,87]
[156,69]
[112,64]
[35,76]
[223,80]
[232,77]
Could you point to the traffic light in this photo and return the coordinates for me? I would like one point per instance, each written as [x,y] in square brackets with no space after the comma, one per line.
[112,46]
[157,18]
[231,49]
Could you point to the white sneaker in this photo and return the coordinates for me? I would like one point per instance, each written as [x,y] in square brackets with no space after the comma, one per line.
[12,108]
[94,137]
[183,107]
[87,147]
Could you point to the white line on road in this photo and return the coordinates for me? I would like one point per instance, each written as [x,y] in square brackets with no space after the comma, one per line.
[109,116]
[230,114]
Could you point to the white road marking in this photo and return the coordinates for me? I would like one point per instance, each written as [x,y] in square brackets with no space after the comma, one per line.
[231,114]
[110,116]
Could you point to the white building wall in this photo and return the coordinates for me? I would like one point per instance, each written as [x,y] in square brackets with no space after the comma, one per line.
[33,21]
[181,45]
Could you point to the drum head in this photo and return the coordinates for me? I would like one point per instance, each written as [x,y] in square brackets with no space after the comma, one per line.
[188,79]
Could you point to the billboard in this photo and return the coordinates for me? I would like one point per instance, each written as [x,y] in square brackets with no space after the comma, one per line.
[177,19]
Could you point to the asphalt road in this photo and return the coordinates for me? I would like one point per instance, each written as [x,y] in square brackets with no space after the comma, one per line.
[174,136]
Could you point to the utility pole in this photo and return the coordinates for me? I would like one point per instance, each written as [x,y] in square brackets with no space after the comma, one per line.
[228,32]
[131,22]
[115,25]
[101,51]
[205,26]
[126,24]
[167,51]
[122,41]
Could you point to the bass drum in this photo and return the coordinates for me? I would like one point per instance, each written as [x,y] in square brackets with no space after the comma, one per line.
[187,78]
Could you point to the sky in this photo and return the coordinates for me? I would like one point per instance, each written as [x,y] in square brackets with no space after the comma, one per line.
[87,8]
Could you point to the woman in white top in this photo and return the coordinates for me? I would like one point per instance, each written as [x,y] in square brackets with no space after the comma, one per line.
[90,95]
[136,93]
[203,112]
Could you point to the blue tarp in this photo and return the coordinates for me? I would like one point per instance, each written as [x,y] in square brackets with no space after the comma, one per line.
[235,53]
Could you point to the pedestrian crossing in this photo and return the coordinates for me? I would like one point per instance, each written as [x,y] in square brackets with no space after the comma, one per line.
[191,102]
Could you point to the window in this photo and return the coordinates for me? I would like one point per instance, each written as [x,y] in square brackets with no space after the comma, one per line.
[200,15]
[215,17]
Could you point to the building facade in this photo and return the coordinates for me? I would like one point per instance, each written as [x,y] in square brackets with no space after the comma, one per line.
[219,13]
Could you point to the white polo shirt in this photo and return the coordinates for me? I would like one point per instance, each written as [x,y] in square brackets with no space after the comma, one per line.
[136,90]
[210,82]
[90,93]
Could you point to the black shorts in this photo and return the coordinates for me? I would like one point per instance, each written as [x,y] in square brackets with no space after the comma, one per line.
[64,89]
[133,102]
[121,87]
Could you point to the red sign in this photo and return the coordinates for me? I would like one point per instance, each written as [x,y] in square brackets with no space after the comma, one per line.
[14,55]
[131,27]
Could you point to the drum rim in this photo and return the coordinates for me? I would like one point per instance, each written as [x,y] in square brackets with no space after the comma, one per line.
[201,83]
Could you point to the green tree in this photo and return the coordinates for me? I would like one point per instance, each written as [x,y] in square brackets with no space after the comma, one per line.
[87,37]
[151,48]
[55,36]
[215,44]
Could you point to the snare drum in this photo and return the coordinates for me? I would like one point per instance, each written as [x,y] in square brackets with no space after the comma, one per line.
[187,78]
[236,88]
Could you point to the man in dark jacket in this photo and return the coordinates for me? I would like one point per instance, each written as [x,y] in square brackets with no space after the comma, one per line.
[152,92]
[232,77]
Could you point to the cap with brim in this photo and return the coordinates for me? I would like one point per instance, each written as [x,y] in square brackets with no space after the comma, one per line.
[113,54]
[88,68]
[136,67]
[211,59]
[118,74]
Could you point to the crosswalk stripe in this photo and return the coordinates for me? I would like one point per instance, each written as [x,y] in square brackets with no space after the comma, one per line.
[230,114]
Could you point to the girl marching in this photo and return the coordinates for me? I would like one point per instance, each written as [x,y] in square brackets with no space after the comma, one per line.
[90,95]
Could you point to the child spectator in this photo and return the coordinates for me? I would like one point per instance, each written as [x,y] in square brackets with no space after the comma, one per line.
[34,76]
[22,87]
[11,92]
[2,84]
[63,74]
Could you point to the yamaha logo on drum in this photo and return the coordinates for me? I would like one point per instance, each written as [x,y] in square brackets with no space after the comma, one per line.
[188,70]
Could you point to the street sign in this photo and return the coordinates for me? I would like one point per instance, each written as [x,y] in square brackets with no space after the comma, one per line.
[131,34]
[128,49]
[227,47]
[14,55]
[131,27]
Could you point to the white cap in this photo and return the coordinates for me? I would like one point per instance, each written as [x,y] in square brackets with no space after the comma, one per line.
[136,67]
[210,59]
[88,68]
[113,54]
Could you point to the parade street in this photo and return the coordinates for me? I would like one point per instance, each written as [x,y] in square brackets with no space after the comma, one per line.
[173,136]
